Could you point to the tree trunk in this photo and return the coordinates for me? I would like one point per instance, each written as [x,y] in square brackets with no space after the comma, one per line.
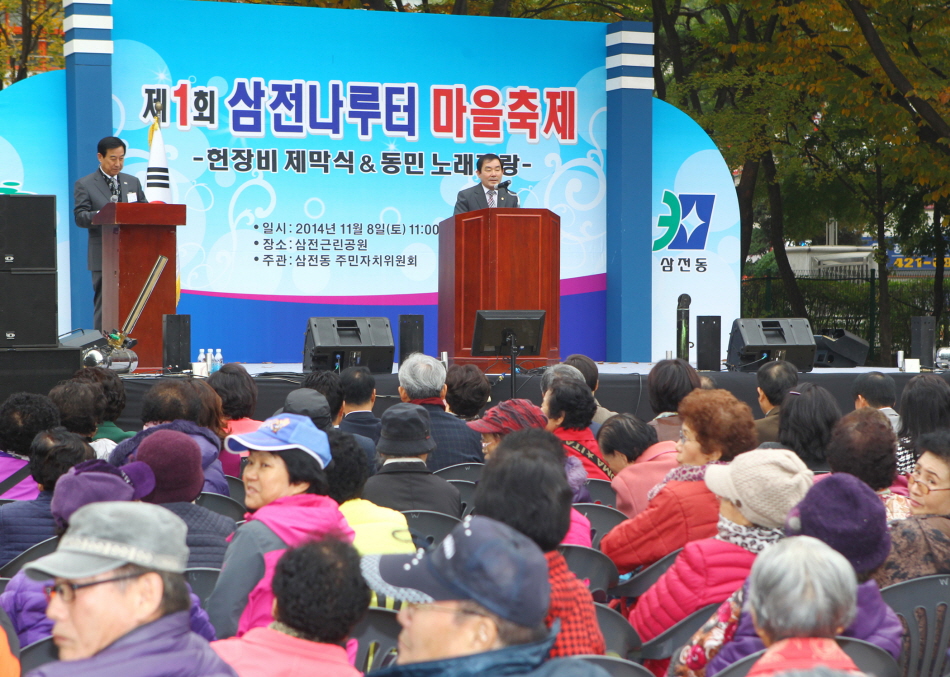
[745,192]
[500,8]
[776,231]
[460,7]
[884,294]
[26,41]
[940,251]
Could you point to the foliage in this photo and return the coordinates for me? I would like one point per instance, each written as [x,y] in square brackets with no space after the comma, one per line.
[31,38]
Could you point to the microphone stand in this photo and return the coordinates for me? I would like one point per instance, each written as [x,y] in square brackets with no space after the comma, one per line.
[682,327]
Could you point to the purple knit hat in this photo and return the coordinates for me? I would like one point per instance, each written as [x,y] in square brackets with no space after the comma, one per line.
[175,459]
[96,481]
[845,513]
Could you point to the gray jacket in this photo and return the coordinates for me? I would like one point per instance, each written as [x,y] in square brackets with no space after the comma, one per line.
[474,198]
[90,194]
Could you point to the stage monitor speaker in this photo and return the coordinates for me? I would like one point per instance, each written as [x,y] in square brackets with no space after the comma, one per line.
[36,370]
[708,343]
[922,344]
[176,343]
[755,341]
[336,343]
[840,348]
[411,335]
[28,310]
[27,232]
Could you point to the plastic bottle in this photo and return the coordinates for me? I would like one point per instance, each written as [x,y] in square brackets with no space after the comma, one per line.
[218,360]
[201,355]
[209,360]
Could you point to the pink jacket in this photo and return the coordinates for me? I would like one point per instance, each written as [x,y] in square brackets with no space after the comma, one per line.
[634,482]
[707,571]
[579,531]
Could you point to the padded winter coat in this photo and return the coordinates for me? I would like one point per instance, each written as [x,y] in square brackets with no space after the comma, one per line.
[23,524]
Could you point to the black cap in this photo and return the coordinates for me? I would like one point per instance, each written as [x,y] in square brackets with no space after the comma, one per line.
[405,431]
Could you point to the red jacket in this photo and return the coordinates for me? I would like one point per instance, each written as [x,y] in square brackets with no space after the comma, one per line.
[707,571]
[586,438]
[680,513]
[802,653]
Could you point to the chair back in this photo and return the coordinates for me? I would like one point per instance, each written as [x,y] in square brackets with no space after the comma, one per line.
[742,666]
[41,549]
[670,640]
[221,505]
[235,488]
[3,584]
[870,658]
[602,493]
[428,527]
[615,667]
[378,635]
[591,566]
[602,518]
[4,501]
[467,492]
[202,581]
[37,654]
[461,471]
[641,582]
[621,639]
[923,605]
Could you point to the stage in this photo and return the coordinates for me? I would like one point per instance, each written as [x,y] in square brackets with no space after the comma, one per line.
[622,388]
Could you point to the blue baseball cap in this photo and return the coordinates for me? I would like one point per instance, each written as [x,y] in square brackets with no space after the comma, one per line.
[281,433]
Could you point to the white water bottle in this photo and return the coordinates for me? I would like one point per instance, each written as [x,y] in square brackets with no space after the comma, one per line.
[209,360]
[201,355]
[218,360]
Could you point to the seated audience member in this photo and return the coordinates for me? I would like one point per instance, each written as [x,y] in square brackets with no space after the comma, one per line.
[708,383]
[756,492]
[22,416]
[23,524]
[877,391]
[925,408]
[805,424]
[920,544]
[569,407]
[525,488]
[639,462]
[567,371]
[379,530]
[124,612]
[89,482]
[82,406]
[114,390]
[286,491]
[330,385]
[774,380]
[182,405]
[802,594]
[9,647]
[844,513]
[668,382]
[422,382]
[588,368]
[404,480]
[716,427]
[319,596]
[359,396]
[175,460]
[238,393]
[475,605]
[467,391]
[863,444]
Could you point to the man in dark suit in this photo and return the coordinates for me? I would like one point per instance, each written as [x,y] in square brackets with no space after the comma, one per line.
[93,192]
[487,193]
[775,380]
[404,482]
[359,396]
[422,382]
[328,384]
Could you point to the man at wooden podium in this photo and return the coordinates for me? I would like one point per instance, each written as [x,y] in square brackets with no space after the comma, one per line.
[93,192]
[487,193]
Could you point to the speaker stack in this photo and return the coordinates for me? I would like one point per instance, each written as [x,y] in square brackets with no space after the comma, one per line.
[755,341]
[336,343]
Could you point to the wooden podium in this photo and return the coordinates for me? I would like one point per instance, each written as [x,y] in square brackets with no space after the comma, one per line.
[134,234]
[498,259]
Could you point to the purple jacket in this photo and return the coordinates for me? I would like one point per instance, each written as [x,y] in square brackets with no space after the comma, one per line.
[875,622]
[162,648]
[26,489]
[207,441]
[25,604]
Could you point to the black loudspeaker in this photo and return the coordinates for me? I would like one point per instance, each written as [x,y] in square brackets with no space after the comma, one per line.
[922,344]
[176,343]
[36,370]
[336,343]
[840,348]
[27,232]
[708,343]
[28,309]
[755,341]
[411,335]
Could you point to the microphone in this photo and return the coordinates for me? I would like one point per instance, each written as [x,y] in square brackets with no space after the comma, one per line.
[504,184]
[114,198]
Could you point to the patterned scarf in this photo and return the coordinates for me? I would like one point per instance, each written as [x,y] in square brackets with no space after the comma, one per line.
[753,538]
[682,473]
[434,401]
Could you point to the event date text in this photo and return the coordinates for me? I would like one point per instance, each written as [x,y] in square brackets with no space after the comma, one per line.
[283,228]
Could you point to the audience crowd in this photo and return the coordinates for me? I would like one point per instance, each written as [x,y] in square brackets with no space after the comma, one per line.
[218,540]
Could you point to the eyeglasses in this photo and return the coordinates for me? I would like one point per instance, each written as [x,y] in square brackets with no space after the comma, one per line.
[684,439]
[67,591]
[412,607]
[925,488]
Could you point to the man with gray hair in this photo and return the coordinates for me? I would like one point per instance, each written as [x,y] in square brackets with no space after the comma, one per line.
[118,598]
[802,593]
[422,382]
